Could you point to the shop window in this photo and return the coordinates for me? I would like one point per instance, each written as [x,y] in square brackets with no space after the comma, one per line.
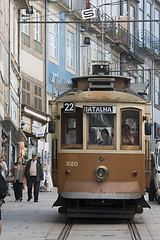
[72,129]
[130,129]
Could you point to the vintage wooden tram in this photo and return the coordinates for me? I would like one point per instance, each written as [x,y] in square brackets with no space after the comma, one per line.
[97,177]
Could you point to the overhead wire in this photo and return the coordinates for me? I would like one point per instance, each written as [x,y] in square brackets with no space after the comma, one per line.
[112,3]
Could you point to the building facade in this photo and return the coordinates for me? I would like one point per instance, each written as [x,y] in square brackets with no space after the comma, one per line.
[46,43]
[10,79]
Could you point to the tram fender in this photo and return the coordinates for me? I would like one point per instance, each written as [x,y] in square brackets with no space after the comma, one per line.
[143,203]
[59,202]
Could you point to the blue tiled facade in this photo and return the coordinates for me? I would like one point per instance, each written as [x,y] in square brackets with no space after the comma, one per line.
[58,73]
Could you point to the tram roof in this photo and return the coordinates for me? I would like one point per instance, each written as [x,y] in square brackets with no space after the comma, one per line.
[102,76]
[100,96]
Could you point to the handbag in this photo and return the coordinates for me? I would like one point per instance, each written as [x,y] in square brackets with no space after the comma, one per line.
[9,178]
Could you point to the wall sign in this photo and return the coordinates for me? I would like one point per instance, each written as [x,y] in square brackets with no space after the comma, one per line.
[99,109]
[88,13]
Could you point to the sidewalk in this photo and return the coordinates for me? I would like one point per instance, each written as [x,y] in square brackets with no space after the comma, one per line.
[30,220]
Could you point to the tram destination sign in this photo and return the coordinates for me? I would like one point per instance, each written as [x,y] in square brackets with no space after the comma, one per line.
[99,109]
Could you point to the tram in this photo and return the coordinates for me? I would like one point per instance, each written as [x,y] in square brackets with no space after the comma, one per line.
[100,148]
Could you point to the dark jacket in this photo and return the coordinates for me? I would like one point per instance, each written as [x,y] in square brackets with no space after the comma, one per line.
[39,171]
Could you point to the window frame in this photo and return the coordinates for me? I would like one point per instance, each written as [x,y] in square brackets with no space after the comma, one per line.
[131,147]
[39,97]
[78,114]
[96,146]
[26,91]
[70,50]
[157,90]
[37,30]
[25,26]
[53,40]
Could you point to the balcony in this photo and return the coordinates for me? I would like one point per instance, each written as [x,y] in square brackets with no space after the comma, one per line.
[72,5]
[125,41]
[151,43]
[22,4]
[120,38]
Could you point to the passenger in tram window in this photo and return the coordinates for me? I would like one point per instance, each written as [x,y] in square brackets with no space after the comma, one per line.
[127,138]
[104,139]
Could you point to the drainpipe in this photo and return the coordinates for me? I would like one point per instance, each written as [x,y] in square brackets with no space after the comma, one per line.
[20,80]
[152,105]
[9,97]
[46,12]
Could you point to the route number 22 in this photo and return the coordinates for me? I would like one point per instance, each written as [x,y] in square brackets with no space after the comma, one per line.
[69,107]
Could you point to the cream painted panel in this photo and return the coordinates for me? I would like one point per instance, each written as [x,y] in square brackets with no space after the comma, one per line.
[32,65]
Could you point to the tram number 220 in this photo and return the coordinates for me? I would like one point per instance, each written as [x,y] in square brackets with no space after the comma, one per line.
[72,164]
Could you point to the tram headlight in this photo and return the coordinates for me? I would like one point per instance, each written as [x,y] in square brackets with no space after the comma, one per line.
[101,173]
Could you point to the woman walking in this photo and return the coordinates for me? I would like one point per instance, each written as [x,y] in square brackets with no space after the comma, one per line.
[18,171]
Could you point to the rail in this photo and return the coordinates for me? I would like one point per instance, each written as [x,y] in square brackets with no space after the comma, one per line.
[135,235]
[65,231]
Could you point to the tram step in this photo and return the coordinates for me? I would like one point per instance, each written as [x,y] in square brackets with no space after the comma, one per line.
[99,213]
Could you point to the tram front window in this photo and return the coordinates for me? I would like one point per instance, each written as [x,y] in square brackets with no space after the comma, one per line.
[101,129]
[72,129]
[130,127]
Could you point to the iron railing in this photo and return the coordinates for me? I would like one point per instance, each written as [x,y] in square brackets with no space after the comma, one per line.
[120,35]
[123,37]
[73,5]
[151,42]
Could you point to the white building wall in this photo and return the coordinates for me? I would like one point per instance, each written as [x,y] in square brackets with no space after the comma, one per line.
[32,65]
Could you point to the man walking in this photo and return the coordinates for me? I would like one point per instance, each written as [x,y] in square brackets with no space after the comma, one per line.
[33,174]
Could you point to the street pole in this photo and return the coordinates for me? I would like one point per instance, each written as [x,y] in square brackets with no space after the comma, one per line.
[102,36]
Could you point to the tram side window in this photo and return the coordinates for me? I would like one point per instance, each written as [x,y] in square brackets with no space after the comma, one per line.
[72,127]
[130,127]
[101,129]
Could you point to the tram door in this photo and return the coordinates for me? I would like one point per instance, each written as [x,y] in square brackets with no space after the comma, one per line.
[147,163]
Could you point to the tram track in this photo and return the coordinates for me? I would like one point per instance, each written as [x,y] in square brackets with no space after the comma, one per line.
[133,231]
[135,235]
[66,230]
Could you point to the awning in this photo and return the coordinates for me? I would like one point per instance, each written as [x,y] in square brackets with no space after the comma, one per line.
[17,134]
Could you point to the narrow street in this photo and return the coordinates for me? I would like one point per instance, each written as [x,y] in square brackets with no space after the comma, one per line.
[39,221]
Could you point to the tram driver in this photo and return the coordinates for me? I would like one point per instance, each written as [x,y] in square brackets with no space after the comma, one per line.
[105,138]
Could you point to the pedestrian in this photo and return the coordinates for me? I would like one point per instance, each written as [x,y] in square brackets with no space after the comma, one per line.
[18,171]
[4,170]
[3,192]
[0,217]
[33,174]
[3,166]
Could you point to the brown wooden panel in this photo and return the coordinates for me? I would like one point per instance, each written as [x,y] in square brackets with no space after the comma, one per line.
[120,168]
